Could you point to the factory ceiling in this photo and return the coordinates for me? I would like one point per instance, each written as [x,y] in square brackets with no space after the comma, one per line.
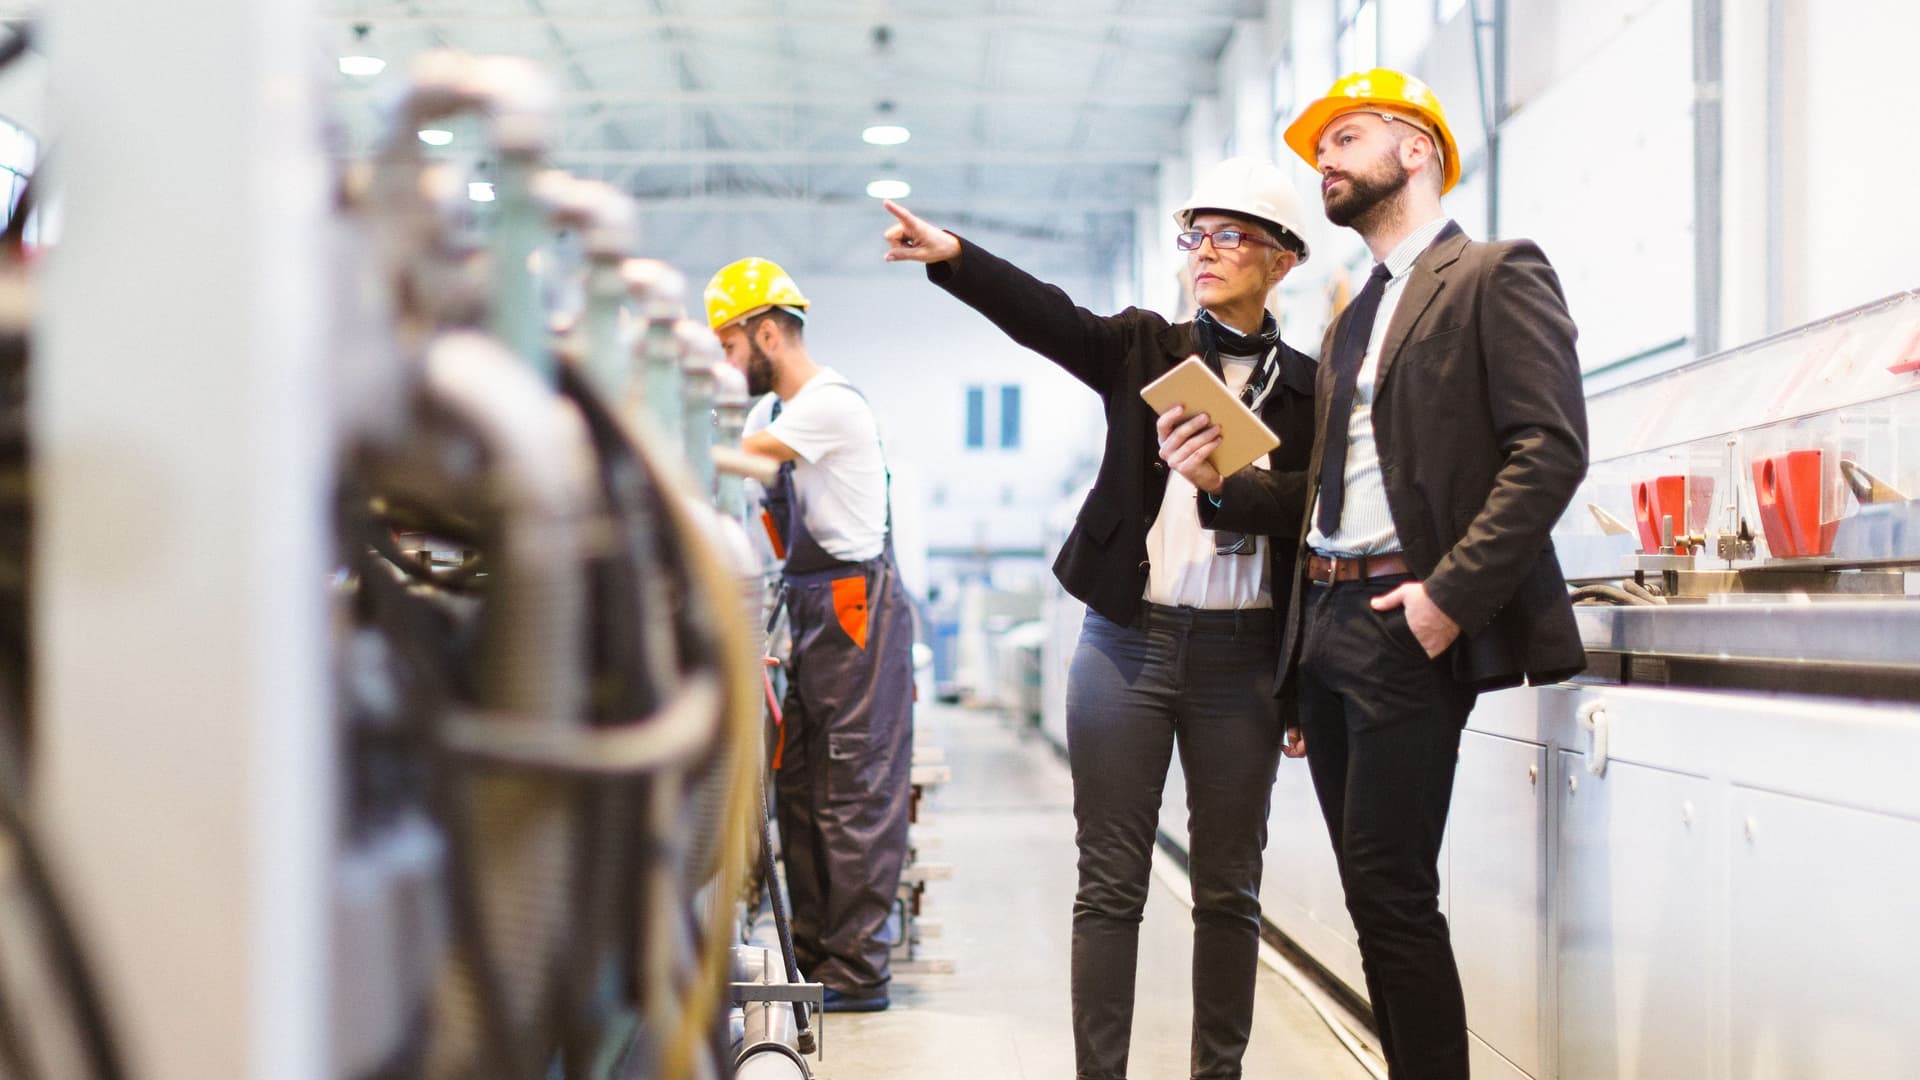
[1035,127]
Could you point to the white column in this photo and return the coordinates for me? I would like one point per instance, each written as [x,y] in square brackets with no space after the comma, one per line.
[178,418]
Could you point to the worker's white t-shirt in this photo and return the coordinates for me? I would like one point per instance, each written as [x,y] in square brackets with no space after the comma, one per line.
[1182,570]
[841,476]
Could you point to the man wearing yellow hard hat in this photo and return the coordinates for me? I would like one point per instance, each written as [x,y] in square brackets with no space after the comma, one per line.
[843,787]
[1452,436]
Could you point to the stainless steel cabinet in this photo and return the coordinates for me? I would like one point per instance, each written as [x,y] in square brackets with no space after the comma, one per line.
[1823,940]
[1496,891]
[1634,896]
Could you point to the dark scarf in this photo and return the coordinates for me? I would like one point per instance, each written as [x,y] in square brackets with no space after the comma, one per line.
[1217,339]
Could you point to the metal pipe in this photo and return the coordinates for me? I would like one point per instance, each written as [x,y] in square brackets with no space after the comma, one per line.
[1776,193]
[767,1047]
[1708,159]
[515,313]
[700,352]
[660,292]
[730,404]
[533,657]
[608,224]
[520,107]
[1500,95]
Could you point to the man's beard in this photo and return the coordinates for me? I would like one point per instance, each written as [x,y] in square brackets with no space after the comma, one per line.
[1364,194]
[759,371]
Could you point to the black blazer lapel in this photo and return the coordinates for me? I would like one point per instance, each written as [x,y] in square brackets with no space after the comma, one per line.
[1424,282]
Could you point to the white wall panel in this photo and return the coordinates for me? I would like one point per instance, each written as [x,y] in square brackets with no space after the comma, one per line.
[1550,41]
[1598,170]
[1857,212]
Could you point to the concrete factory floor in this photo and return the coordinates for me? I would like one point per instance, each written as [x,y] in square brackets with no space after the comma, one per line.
[1005,825]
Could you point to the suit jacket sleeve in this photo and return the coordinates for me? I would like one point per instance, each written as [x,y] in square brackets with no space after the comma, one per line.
[1037,315]
[1540,421]
[1272,503]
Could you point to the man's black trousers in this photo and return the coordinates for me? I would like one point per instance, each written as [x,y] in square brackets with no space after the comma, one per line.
[1382,723]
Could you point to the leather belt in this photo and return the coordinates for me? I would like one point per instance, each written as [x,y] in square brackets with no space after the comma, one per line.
[1330,570]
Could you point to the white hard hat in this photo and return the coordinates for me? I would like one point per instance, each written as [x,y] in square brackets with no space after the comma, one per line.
[1248,188]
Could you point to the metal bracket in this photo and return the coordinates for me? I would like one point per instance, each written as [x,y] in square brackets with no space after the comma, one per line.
[1593,719]
[813,1037]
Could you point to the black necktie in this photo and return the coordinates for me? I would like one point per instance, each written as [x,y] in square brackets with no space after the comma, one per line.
[1348,352]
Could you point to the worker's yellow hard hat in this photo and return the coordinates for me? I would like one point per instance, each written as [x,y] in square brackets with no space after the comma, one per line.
[748,287]
[1394,92]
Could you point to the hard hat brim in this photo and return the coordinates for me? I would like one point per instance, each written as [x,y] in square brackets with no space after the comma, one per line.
[1280,232]
[1303,135]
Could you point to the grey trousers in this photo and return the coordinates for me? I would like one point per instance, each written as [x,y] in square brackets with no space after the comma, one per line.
[1201,680]
[844,790]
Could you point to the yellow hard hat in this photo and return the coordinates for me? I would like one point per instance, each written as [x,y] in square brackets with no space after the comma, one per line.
[1382,88]
[748,287]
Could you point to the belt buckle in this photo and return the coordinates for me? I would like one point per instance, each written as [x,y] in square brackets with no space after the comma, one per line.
[1333,571]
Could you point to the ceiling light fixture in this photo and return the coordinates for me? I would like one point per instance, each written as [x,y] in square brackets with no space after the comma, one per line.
[886,135]
[436,136]
[480,191]
[360,62]
[884,131]
[362,66]
[889,189]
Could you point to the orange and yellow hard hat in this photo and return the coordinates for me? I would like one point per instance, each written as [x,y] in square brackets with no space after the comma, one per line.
[748,287]
[1384,89]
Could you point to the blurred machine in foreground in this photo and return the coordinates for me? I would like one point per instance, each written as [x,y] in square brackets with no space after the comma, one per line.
[404,712]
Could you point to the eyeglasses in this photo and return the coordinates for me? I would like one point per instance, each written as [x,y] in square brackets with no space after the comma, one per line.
[1223,240]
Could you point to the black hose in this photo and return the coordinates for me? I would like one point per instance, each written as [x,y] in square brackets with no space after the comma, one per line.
[1607,595]
[14,239]
[16,46]
[73,974]
[776,898]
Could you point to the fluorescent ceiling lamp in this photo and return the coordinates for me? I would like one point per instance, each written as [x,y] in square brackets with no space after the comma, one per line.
[436,136]
[886,135]
[480,191]
[889,189]
[364,66]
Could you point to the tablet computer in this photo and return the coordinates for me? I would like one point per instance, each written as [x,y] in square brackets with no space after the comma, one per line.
[1243,437]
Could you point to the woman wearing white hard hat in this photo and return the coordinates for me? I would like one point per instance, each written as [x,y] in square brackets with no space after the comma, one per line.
[1180,641]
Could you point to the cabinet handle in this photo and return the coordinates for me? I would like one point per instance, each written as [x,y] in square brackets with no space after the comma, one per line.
[1593,718]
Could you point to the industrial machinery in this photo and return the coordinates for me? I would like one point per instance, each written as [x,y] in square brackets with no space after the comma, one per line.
[545,813]
[551,692]
[1762,500]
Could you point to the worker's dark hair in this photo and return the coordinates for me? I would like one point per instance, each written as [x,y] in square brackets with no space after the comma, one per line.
[789,324]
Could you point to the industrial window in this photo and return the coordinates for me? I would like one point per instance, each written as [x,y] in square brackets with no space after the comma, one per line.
[1356,43]
[1009,418]
[19,153]
[1282,103]
[976,417]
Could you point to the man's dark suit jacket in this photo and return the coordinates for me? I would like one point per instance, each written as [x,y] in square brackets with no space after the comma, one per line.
[1481,426]
[1104,559]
